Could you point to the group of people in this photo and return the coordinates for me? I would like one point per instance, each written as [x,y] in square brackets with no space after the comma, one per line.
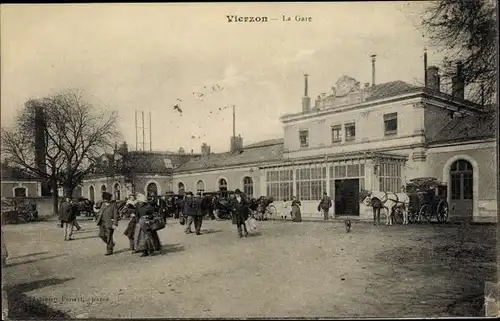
[293,209]
[192,209]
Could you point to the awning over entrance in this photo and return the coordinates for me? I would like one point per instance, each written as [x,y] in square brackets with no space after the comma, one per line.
[328,159]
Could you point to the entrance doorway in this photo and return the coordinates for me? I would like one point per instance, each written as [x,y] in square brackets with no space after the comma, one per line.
[347,197]
[461,178]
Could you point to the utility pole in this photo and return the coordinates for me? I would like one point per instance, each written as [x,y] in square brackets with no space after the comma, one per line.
[136,138]
[150,136]
[143,132]
[234,121]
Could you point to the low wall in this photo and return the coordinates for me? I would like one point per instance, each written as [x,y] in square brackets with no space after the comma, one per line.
[487,211]
[309,209]
[44,205]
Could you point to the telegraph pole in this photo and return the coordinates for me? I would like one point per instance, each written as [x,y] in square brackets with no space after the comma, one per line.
[234,121]
[136,138]
[143,132]
[150,136]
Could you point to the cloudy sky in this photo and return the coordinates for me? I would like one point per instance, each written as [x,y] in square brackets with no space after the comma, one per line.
[150,57]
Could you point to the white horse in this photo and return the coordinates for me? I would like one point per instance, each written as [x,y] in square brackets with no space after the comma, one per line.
[390,201]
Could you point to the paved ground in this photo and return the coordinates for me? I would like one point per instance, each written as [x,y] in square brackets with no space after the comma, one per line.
[308,269]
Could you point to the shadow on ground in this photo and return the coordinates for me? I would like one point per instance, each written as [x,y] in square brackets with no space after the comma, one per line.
[31,254]
[210,231]
[85,237]
[22,306]
[32,261]
[172,248]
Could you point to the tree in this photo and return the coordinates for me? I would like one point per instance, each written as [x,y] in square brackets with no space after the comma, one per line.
[74,133]
[466,31]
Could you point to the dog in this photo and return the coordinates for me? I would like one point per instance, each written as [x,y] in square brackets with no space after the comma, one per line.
[347,225]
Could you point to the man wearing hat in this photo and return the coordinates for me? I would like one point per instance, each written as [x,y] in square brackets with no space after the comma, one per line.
[192,209]
[240,213]
[107,221]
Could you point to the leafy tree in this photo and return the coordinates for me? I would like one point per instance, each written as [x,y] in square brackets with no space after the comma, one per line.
[466,31]
[74,133]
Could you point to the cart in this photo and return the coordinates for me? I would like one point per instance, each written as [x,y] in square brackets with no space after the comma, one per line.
[428,200]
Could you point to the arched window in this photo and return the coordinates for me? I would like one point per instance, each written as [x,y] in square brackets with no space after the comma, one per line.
[180,188]
[117,189]
[20,192]
[248,186]
[461,180]
[91,193]
[200,187]
[152,189]
[103,188]
[222,184]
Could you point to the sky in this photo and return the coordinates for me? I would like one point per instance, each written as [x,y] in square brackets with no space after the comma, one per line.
[151,57]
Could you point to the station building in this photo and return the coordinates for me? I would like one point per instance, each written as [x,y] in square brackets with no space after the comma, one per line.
[375,137]
[371,137]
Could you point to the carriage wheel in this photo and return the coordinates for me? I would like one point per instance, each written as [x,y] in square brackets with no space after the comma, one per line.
[442,212]
[412,217]
[425,213]
[271,211]
[398,216]
[21,219]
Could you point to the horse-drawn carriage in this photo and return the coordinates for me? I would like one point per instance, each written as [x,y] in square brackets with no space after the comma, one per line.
[85,207]
[427,200]
[263,208]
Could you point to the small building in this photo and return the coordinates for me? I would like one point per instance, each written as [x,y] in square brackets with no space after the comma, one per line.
[17,182]
[125,172]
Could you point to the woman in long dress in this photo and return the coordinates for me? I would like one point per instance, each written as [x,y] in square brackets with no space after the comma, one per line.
[296,216]
[145,239]
[130,230]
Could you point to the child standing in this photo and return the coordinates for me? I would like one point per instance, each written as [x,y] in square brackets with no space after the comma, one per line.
[285,210]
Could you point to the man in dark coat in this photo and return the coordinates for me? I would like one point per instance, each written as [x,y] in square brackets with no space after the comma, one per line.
[107,221]
[240,205]
[192,209]
[324,205]
[67,218]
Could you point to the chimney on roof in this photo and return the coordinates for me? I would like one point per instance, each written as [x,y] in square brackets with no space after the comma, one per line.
[306,100]
[205,149]
[433,80]
[457,83]
[373,68]
[236,144]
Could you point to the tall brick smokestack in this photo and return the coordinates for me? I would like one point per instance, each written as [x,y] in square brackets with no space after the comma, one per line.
[40,148]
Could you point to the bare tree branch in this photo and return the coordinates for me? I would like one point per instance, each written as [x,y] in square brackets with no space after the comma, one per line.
[75,131]
[467,31]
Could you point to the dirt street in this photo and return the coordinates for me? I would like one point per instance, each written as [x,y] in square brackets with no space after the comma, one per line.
[309,269]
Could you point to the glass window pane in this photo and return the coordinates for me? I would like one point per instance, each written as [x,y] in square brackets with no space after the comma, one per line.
[467,186]
[353,170]
[455,187]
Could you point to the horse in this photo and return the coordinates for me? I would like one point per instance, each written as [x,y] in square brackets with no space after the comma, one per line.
[389,201]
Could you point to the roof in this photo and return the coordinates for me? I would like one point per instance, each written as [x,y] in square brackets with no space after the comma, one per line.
[467,128]
[16,174]
[266,143]
[269,150]
[389,89]
[142,162]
